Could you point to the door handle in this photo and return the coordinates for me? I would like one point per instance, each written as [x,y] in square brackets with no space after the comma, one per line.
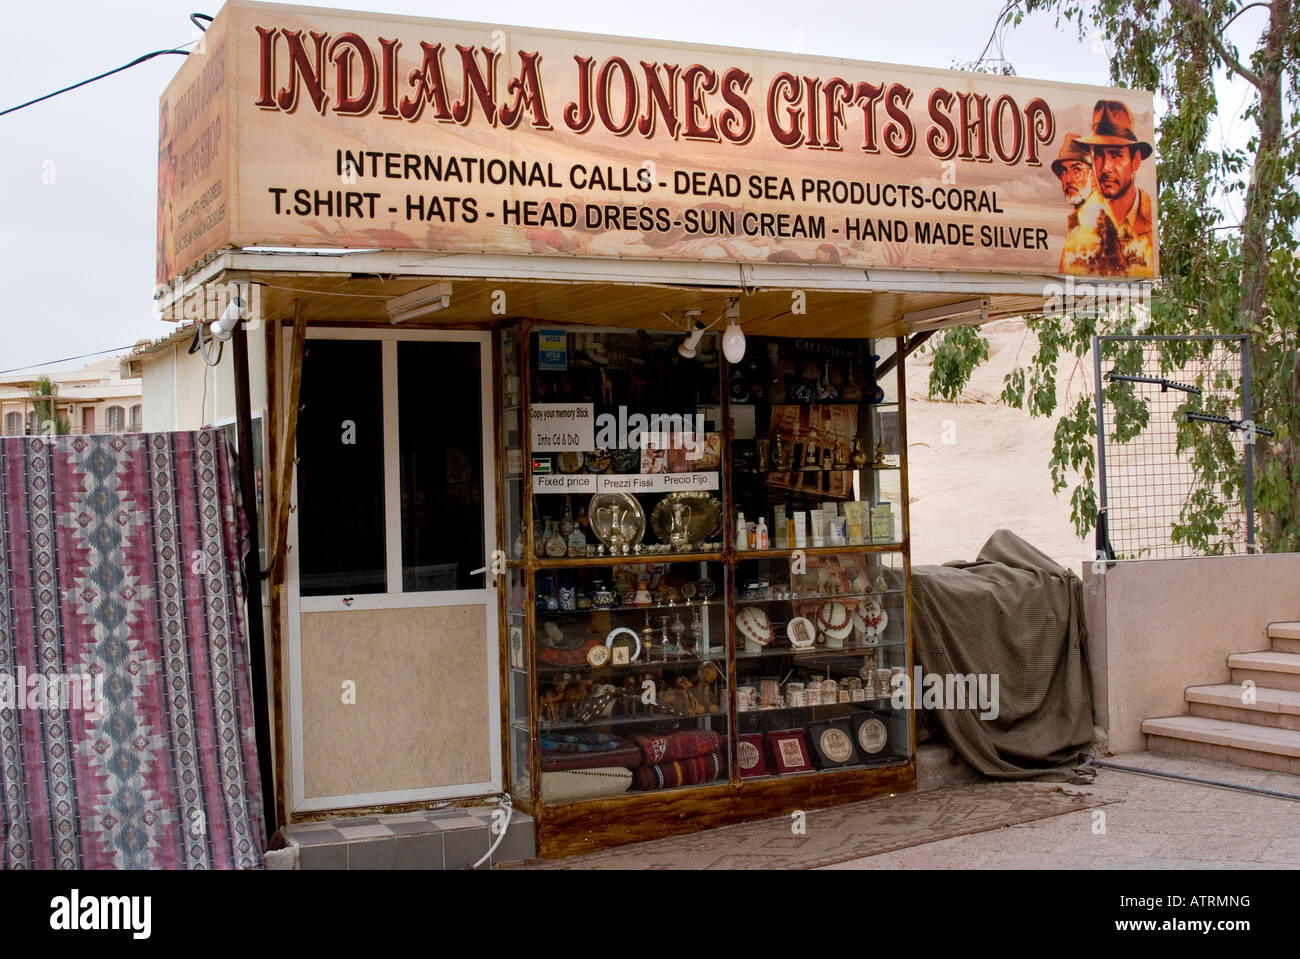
[494,568]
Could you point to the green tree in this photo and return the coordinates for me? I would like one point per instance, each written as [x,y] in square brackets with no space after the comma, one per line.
[1217,276]
[44,395]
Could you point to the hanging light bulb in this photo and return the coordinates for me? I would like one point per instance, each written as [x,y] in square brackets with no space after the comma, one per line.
[733,343]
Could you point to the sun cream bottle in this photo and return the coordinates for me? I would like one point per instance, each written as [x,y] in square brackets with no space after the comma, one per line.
[781,529]
[760,536]
[800,534]
[815,519]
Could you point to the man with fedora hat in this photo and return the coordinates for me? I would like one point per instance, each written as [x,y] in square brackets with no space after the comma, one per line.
[1115,233]
[1073,167]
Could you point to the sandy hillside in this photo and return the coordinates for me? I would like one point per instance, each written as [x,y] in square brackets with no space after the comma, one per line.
[993,471]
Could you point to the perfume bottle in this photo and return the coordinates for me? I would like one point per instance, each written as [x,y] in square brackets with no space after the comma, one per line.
[577,541]
[556,545]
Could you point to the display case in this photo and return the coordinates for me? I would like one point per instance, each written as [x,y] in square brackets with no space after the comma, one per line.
[708,580]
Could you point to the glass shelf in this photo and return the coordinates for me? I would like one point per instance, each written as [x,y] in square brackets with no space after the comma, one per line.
[641,665]
[743,601]
[818,651]
[632,559]
[598,722]
[656,608]
[859,704]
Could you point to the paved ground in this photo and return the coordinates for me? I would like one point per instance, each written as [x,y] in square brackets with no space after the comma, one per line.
[1154,824]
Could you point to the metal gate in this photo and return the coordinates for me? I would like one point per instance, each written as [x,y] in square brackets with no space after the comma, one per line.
[1162,491]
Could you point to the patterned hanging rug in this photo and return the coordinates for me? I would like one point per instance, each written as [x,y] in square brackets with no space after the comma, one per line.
[126,722]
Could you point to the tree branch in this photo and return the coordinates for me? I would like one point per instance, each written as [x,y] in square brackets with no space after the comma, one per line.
[1233,18]
[1197,12]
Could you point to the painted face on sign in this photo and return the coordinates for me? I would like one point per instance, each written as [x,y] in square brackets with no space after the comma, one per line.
[1115,166]
[1076,181]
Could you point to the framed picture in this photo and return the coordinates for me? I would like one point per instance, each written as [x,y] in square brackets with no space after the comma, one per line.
[620,655]
[789,750]
[833,743]
[750,756]
[517,647]
[870,734]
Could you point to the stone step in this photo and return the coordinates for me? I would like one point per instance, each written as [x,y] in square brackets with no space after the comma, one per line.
[449,838]
[1269,669]
[1285,637]
[1246,744]
[1279,708]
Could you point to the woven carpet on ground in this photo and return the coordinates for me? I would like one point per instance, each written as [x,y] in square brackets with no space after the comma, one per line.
[120,589]
[860,829]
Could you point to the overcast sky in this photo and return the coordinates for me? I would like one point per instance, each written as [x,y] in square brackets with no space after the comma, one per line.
[78,174]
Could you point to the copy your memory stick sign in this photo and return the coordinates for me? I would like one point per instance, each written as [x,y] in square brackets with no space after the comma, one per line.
[557,427]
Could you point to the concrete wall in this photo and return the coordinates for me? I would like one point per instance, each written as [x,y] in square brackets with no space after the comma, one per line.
[158,386]
[181,392]
[1156,627]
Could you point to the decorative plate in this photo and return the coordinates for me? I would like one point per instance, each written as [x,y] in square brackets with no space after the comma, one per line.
[625,461]
[801,632]
[872,736]
[598,461]
[701,512]
[836,745]
[616,516]
[569,462]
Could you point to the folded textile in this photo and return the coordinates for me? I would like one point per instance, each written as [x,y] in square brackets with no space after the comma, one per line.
[628,754]
[682,772]
[580,784]
[658,748]
[580,742]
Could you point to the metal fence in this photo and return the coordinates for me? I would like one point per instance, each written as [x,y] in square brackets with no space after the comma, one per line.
[1174,430]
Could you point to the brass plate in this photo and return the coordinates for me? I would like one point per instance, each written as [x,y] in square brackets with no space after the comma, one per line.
[703,516]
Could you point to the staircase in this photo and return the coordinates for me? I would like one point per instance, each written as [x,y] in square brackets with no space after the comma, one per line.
[1264,733]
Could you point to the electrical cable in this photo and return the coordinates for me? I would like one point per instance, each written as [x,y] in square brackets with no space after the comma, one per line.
[67,359]
[125,66]
[505,803]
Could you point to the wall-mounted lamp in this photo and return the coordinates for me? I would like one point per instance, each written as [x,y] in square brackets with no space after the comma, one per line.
[419,303]
[688,347]
[950,314]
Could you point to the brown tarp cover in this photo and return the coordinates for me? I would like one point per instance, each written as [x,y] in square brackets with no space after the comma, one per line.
[1015,613]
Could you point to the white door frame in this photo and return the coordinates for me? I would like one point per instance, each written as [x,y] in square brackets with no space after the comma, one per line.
[299,801]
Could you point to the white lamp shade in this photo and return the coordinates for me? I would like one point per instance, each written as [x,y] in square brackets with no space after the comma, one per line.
[733,343]
[688,346]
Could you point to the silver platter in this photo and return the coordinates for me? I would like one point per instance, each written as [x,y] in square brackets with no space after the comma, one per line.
[617,519]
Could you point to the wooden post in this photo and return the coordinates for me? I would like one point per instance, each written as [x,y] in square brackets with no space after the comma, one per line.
[289,438]
[253,577]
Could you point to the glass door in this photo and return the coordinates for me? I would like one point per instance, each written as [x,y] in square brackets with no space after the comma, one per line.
[393,612]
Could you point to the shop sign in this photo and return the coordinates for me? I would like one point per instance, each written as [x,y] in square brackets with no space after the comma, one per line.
[295,126]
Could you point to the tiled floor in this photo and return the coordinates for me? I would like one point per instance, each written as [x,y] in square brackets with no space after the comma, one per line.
[450,838]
